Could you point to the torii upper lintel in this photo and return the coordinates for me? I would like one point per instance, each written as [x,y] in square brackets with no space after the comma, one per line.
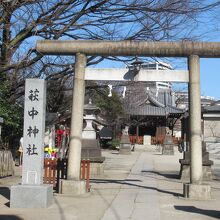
[129,48]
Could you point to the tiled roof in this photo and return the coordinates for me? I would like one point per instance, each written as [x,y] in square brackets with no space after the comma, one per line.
[151,102]
[212,108]
[154,111]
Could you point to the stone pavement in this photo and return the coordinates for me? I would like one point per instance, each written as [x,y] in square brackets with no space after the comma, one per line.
[143,185]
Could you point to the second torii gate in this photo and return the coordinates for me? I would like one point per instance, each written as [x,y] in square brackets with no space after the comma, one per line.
[81,49]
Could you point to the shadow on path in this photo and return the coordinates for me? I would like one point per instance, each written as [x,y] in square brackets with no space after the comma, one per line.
[167,175]
[10,217]
[193,209]
[5,191]
[61,211]
[127,182]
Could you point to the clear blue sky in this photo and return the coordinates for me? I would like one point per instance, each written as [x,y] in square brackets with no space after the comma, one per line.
[210,77]
[210,68]
[209,28]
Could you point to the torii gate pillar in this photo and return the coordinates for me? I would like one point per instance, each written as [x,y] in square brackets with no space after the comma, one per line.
[195,189]
[73,184]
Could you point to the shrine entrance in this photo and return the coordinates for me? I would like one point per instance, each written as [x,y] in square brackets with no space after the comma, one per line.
[192,50]
[147,97]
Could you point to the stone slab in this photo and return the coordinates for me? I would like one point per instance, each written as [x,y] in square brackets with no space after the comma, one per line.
[167,150]
[197,191]
[205,158]
[31,196]
[185,172]
[96,169]
[125,150]
[72,187]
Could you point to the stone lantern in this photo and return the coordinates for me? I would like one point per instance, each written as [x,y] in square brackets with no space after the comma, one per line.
[125,144]
[168,145]
[90,111]
[90,145]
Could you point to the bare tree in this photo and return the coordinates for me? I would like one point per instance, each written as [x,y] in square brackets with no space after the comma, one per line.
[22,22]
[212,129]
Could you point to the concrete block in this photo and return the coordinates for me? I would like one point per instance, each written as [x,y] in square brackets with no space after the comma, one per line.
[197,191]
[72,187]
[31,196]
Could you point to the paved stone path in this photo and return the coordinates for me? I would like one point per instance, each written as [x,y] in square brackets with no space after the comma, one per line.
[143,185]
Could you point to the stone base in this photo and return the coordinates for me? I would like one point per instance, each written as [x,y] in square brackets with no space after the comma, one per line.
[197,191]
[96,169]
[185,173]
[31,196]
[72,187]
[167,150]
[126,151]
[125,145]
[91,150]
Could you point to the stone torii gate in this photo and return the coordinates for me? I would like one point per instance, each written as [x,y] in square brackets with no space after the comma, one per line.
[81,49]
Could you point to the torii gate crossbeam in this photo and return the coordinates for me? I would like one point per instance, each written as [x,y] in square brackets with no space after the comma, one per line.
[123,74]
[192,50]
[130,48]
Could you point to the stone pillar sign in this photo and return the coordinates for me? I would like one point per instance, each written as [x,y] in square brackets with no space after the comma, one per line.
[33,134]
[33,152]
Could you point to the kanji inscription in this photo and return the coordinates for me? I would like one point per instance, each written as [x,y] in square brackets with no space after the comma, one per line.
[34,129]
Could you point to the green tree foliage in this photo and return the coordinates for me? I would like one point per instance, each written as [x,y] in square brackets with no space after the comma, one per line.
[12,115]
[111,107]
